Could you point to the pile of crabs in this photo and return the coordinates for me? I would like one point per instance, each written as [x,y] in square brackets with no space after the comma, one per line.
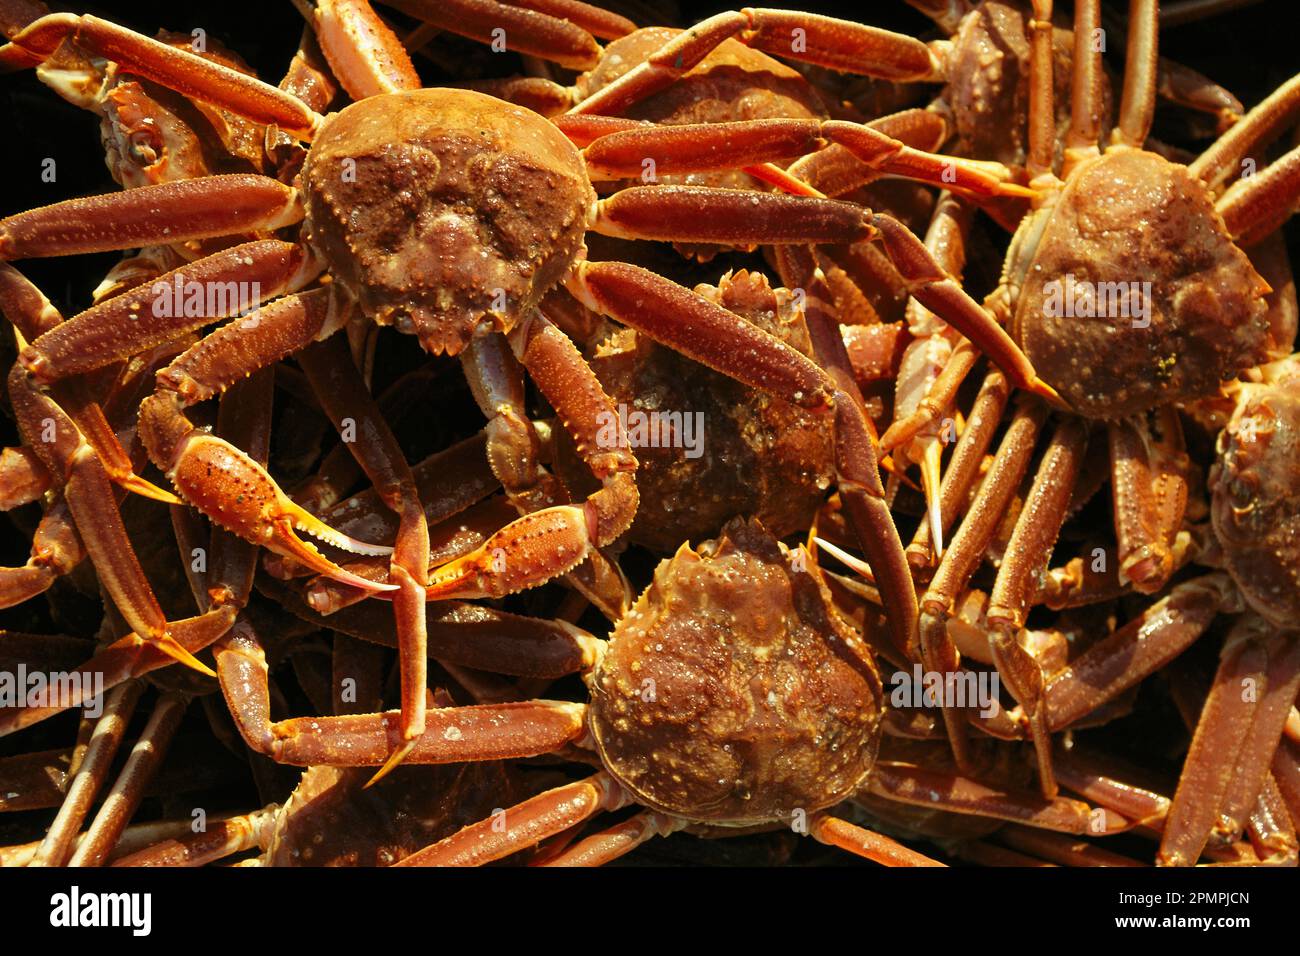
[782,429]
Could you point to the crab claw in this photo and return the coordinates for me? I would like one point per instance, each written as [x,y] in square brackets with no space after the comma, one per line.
[146,489]
[528,551]
[235,492]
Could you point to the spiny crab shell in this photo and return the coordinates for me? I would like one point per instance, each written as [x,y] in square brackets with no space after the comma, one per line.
[759,455]
[1255,503]
[988,73]
[445,210]
[733,692]
[1130,217]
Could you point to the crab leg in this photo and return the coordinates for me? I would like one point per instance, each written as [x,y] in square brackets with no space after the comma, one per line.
[22,476]
[1266,120]
[129,657]
[141,765]
[705,147]
[808,37]
[1026,558]
[1042,112]
[904,783]
[735,216]
[1138,103]
[1086,85]
[835,170]
[220,480]
[541,545]
[963,466]
[339,472]
[1254,207]
[343,395]
[90,498]
[832,831]
[361,49]
[496,379]
[943,295]
[1060,849]
[166,213]
[729,216]
[452,734]
[1259,674]
[1096,780]
[1139,648]
[469,635]
[964,555]
[82,788]
[525,824]
[931,371]
[521,29]
[617,841]
[1149,492]
[857,466]
[1270,828]
[187,73]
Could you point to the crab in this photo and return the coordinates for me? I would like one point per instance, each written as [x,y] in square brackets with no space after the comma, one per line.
[739,637]
[1204,323]
[505,200]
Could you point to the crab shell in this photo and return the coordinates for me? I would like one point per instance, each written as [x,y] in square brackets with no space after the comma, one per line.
[1130,216]
[733,693]
[988,72]
[1255,503]
[758,455]
[445,211]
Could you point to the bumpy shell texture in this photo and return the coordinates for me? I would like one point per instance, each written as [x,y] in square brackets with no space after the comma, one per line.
[1127,218]
[1255,504]
[444,209]
[733,693]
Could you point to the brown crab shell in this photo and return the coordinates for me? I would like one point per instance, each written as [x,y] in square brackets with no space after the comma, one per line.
[988,82]
[444,211]
[1130,216]
[761,456]
[733,692]
[1255,500]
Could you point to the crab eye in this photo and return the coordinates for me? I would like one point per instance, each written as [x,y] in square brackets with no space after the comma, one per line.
[145,146]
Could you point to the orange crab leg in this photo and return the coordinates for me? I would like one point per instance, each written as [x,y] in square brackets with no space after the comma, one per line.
[843,835]
[811,38]
[1139,648]
[187,73]
[525,825]
[705,147]
[1215,794]
[452,734]
[520,29]
[944,296]
[555,540]
[342,394]
[220,480]
[89,495]
[496,379]
[857,463]
[361,50]
[165,213]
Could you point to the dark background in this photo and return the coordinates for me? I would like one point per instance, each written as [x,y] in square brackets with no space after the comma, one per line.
[1250,52]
